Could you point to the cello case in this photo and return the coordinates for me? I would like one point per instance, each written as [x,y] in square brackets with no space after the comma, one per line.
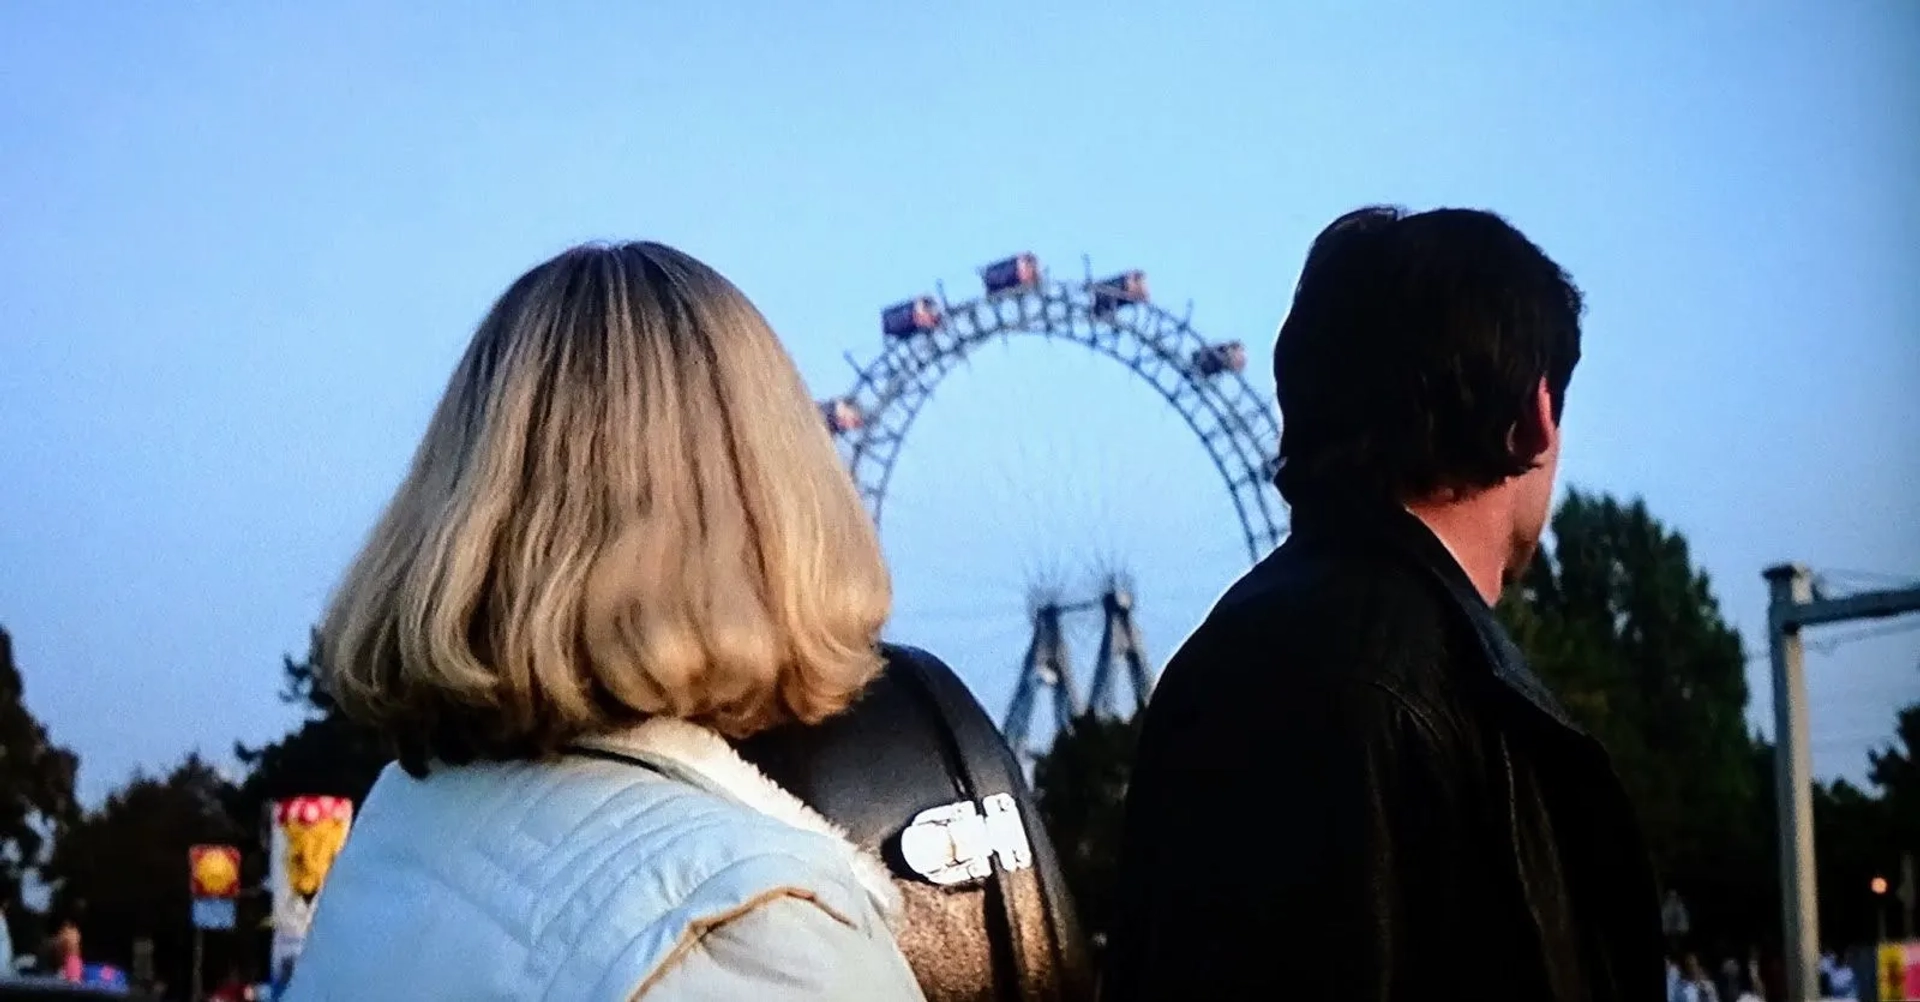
[917,772]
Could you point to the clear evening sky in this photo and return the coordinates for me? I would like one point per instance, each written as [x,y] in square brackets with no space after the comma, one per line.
[240,249]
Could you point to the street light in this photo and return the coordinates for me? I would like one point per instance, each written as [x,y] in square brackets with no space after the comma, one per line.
[1879,887]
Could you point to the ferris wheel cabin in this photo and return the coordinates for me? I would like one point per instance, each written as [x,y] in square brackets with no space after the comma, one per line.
[1126,287]
[1021,271]
[1214,359]
[842,415]
[915,316]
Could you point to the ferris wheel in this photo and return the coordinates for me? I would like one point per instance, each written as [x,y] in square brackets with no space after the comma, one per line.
[927,337]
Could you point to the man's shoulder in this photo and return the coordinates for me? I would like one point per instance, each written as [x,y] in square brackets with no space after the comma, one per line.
[1337,596]
[1316,614]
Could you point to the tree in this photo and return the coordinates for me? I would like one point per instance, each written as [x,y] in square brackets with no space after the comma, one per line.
[1896,771]
[1854,842]
[326,755]
[1081,784]
[121,870]
[1859,836]
[1619,621]
[36,784]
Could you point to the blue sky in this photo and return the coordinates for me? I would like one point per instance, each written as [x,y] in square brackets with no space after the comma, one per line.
[240,250]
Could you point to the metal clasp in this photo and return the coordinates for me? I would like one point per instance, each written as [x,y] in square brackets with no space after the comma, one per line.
[956,843]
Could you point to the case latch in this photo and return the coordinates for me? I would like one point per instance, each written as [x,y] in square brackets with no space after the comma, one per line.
[956,843]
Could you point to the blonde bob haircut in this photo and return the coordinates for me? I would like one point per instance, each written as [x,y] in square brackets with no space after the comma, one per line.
[625,506]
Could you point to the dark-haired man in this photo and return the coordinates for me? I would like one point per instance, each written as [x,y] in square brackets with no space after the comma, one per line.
[1350,785]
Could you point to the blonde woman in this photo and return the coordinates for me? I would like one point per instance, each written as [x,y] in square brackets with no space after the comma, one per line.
[625,538]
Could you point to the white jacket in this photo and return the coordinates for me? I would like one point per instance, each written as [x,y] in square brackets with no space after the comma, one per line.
[587,880]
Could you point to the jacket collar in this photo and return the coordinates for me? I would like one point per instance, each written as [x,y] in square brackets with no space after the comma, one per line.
[701,758]
[1393,529]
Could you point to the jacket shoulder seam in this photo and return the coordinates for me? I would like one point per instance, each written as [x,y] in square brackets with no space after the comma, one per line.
[699,928]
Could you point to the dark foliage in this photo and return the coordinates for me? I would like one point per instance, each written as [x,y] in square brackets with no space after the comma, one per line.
[1081,784]
[1618,620]
[36,784]
[326,755]
[121,870]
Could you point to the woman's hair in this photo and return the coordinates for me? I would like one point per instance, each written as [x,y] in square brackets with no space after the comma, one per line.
[625,506]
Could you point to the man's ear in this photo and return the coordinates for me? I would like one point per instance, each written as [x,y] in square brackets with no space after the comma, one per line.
[1536,431]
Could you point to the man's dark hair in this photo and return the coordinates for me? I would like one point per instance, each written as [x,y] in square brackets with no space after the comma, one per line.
[1414,347]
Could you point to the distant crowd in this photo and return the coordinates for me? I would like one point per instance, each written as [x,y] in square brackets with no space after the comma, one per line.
[1736,980]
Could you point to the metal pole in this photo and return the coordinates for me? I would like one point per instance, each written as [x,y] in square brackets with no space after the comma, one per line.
[199,953]
[1906,895]
[1098,695]
[1792,586]
[1066,699]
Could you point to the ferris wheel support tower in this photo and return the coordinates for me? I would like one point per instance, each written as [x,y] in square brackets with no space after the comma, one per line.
[1048,666]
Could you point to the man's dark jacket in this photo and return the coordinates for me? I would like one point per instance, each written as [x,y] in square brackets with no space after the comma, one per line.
[1350,786]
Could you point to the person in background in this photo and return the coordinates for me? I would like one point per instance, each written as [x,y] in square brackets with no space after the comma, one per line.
[1675,921]
[1349,783]
[625,539]
[1837,975]
[1731,975]
[1696,985]
[67,963]
[6,945]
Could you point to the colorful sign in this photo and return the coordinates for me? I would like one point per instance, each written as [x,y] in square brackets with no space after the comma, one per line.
[1899,970]
[214,913]
[214,870]
[308,832]
[214,873]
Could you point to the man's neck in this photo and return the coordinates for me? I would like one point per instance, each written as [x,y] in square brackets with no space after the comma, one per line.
[1475,531]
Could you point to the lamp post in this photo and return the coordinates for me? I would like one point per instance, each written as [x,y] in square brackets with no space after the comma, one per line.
[1879,888]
